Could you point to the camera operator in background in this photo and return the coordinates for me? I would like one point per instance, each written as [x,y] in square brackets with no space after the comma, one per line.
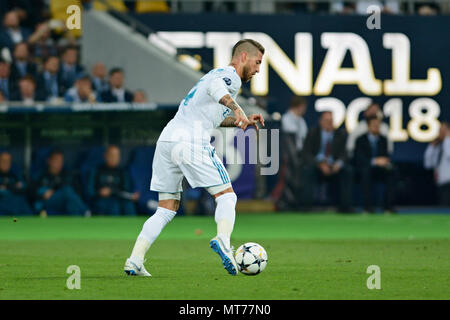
[437,157]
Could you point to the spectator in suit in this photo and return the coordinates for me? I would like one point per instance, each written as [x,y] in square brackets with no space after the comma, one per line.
[29,11]
[12,189]
[81,91]
[69,69]
[139,96]
[109,187]
[293,133]
[54,191]
[437,157]
[373,161]
[12,33]
[27,93]
[48,81]
[325,158]
[22,65]
[373,110]
[7,87]
[42,44]
[116,91]
[99,81]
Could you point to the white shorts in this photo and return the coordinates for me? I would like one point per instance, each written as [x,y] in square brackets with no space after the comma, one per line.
[198,163]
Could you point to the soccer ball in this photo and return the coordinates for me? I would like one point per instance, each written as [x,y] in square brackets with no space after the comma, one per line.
[251,258]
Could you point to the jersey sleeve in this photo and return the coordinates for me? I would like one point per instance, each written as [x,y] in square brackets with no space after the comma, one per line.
[224,83]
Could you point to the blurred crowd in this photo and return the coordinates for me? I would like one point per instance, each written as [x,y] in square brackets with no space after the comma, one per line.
[321,164]
[106,191]
[358,7]
[39,61]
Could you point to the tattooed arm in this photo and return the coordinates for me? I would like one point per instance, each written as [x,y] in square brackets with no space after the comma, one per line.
[228,122]
[253,121]
[240,119]
[229,102]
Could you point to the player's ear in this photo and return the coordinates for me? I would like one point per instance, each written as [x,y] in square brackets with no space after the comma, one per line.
[244,56]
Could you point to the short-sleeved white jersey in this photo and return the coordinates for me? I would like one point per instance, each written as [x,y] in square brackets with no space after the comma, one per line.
[198,113]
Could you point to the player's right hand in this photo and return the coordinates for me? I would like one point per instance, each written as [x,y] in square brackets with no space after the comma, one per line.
[241,120]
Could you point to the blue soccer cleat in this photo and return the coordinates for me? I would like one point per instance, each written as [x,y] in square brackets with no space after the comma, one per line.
[135,269]
[225,254]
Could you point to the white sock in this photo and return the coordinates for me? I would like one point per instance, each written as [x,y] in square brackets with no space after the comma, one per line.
[225,216]
[150,231]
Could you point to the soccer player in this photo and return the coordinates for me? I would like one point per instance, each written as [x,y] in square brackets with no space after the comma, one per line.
[208,105]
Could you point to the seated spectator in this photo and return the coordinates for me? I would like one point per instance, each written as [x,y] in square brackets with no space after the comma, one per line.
[27,93]
[109,187]
[81,91]
[12,189]
[7,87]
[389,6]
[54,191]
[12,33]
[69,69]
[116,91]
[373,110]
[342,7]
[99,82]
[427,8]
[325,158]
[22,65]
[139,96]
[48,81]
[293,133]
[374,164]
[29,12]
[42,44]
[437,157]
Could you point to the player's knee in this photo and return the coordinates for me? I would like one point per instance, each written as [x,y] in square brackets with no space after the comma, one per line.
[219,190]
[171,205]
[169,201]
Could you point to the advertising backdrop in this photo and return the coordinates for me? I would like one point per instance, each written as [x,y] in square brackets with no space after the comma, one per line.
[338,63]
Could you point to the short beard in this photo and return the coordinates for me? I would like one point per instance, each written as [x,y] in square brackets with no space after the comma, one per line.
[245,74]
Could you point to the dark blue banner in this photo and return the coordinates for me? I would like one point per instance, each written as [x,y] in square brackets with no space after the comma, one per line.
[338,63]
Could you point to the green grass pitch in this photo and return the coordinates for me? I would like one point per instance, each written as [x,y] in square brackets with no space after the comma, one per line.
[320,256]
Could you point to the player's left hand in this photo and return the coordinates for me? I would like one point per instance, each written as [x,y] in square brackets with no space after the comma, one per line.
[254,119]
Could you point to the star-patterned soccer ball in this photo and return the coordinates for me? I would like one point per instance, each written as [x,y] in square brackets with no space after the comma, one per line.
[251,258]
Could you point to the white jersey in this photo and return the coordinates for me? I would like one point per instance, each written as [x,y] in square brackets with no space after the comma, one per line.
[198,113]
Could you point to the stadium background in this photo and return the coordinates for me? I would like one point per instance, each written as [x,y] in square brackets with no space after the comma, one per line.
[319,255]
[29,133]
